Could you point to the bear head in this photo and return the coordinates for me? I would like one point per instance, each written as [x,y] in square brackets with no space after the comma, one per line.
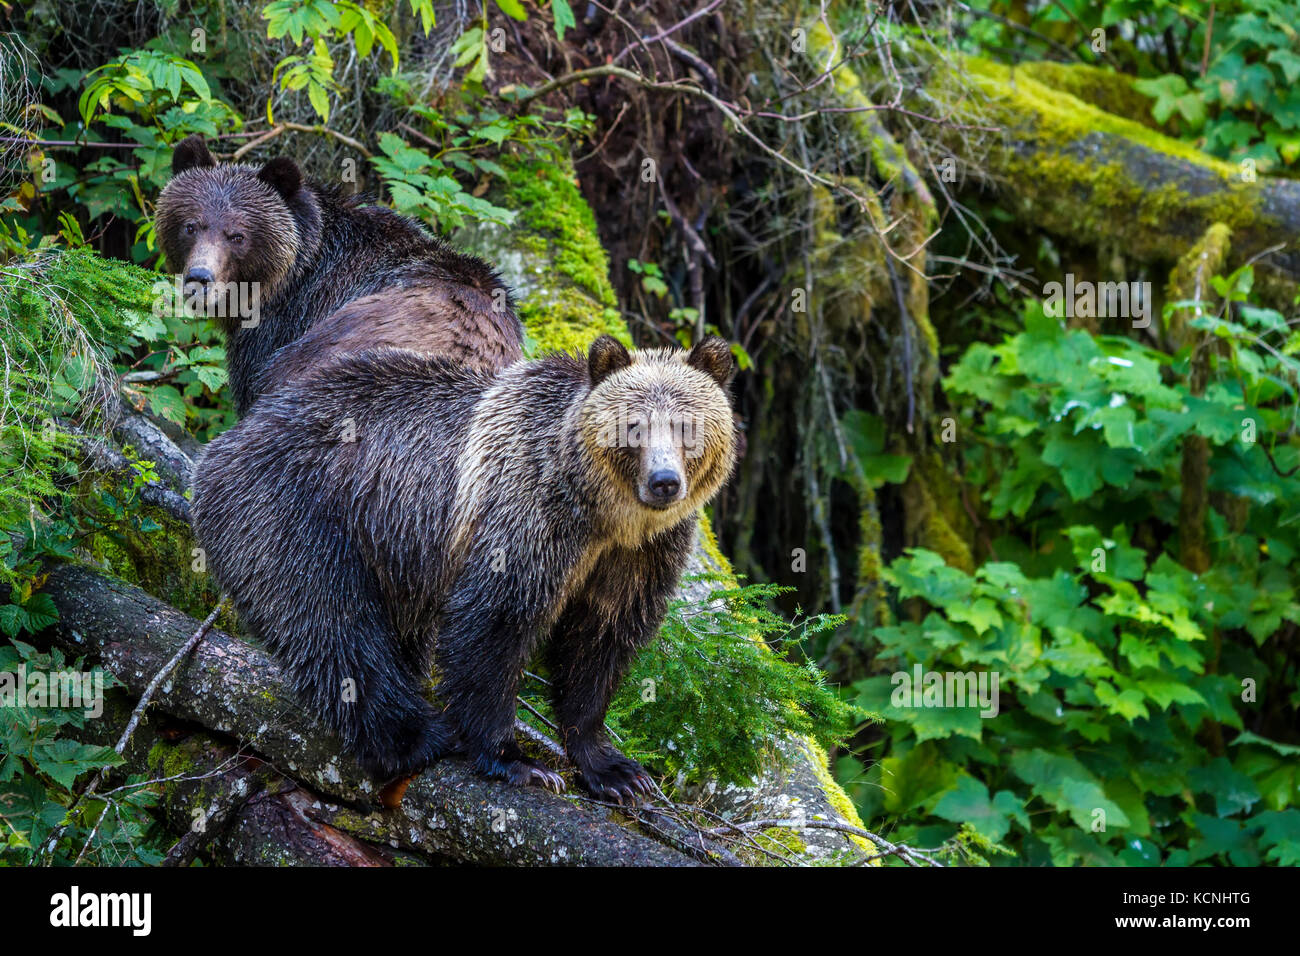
[228,229]
[659,422]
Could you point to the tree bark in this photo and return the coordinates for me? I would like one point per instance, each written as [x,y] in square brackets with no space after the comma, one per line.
[231,686]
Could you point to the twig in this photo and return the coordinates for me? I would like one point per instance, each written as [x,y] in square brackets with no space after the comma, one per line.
[320,130]
[163,674]
[131,724]
[539,738]
[683,86]
[72,142]
[908,855]
[643,41]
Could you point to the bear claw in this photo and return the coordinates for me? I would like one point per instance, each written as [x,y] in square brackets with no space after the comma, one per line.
[524,773]
[619,781]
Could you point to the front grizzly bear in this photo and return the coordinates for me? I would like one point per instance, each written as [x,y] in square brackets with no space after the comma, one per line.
[391,510]
[300,251]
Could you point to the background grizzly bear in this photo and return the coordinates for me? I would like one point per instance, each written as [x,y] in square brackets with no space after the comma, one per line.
[391,506]
[311,250]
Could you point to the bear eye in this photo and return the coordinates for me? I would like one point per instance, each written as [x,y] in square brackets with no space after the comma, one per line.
[189,229]
[236,237]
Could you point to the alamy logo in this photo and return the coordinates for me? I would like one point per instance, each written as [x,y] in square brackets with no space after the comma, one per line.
[74,908]
[216,300]
[946,689]
[53,689]
[1101,300]
[632,429]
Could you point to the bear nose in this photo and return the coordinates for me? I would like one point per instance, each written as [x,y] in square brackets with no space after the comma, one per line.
[664,484]
[200,275]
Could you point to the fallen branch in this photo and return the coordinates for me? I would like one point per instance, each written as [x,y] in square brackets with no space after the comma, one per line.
[133,722]
[174,464]
[103,458]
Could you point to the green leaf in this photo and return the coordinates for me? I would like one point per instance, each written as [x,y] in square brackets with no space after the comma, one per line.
[65,760]
[563,14]
[513,9]
[164,400]
[969,803]
[1286,750]
[1280,833]
[1226,838]
[1231,789]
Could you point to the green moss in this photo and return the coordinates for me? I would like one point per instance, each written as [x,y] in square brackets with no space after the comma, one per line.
[1103,88]
[573,300]
[869,604]
[709,542]
[550,205]
[1015,96]
[836,796]
[779,840]
[1191,276]
[147,547]
[927,509]
[170,762]
[567,320]
[912,204]
[1075,181]
[533,245]
[888,157]
[1202,261]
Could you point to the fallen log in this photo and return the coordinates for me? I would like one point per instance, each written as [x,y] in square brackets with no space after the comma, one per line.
[231,686]
[105,459]
[237,810]
[225,804]
[1097,179]
[150,442]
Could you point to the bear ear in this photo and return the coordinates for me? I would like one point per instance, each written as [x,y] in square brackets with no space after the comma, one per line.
[607,355]
[712,356]
[191,153]
[282,175]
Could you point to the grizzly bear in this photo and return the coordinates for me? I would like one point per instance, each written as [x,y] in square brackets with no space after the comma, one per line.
[271,255]
[391,510]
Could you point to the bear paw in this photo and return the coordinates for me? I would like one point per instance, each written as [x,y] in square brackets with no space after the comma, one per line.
[411,747]
[520,771]
[608,775]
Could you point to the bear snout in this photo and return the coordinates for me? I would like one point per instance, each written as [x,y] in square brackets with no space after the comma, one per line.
[662,488]
[199,275]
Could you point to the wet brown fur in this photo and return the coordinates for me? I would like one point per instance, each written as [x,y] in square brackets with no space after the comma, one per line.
[364,274]
[474,516]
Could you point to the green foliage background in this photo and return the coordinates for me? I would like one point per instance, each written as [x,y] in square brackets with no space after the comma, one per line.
[79,331]
[1147,715]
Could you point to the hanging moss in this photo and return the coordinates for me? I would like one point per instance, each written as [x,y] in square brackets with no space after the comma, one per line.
[912,198]
[1190,279]
[930,517]
[1205,259]
[869,606]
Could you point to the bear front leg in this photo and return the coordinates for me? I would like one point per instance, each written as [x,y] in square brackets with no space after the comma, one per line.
[587,663]
[479,657]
